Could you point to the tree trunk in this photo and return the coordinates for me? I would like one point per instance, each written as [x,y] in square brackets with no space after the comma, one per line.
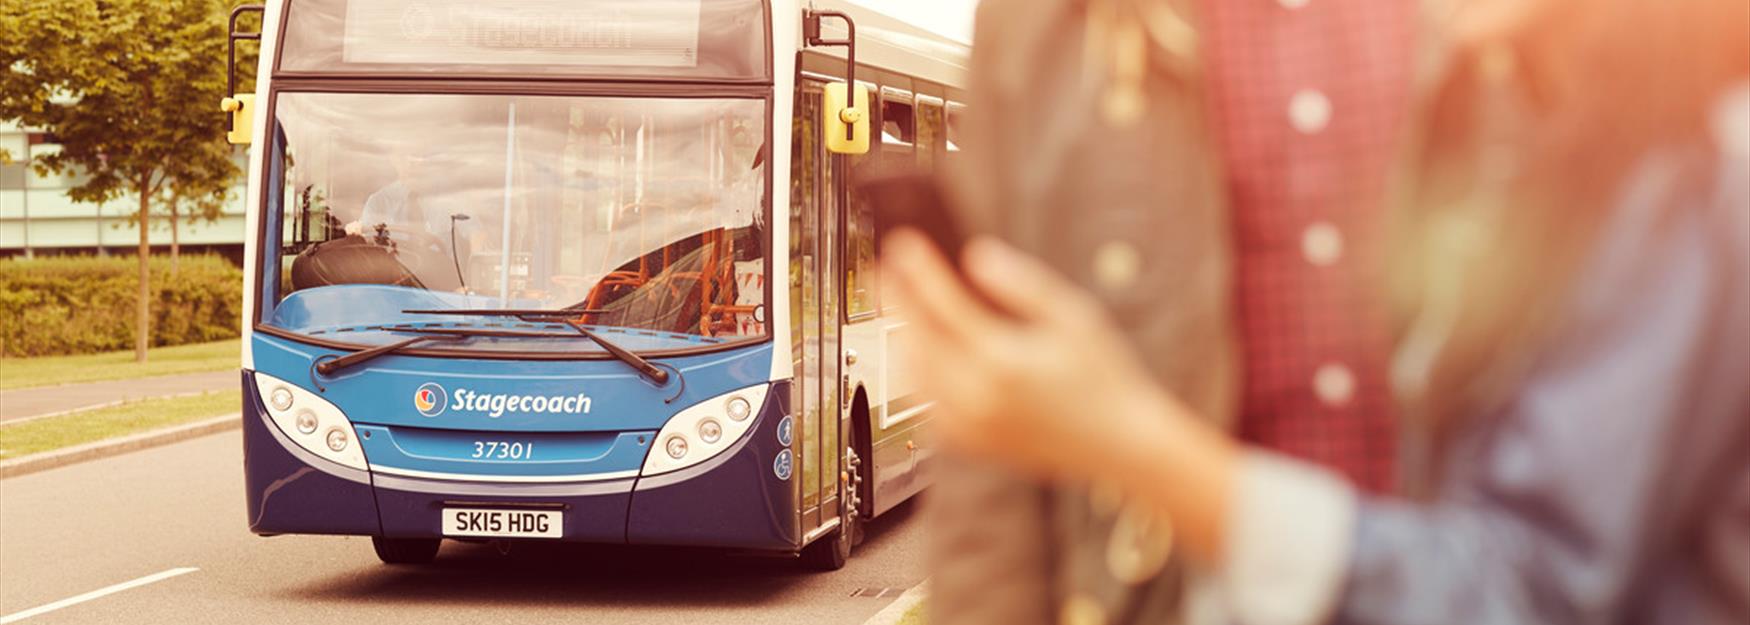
[143,309]
[175,240]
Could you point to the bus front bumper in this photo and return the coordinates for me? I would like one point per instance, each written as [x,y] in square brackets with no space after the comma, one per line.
[734,500]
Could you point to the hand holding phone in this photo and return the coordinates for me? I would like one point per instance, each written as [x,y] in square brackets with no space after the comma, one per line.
[914,199]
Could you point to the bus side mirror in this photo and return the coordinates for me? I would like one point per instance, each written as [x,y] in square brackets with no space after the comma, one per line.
[242,110]
[847,119]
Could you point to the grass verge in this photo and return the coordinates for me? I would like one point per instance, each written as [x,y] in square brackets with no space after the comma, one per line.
[53,433]
[47,370]
[914,616]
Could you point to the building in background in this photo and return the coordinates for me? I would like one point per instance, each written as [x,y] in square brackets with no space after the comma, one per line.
[37,217]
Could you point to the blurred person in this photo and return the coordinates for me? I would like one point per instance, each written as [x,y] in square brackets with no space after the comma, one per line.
[1215,171]
[398,206]
[406,213]
[1572,267]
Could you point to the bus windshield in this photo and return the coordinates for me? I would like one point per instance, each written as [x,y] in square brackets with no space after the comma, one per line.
[645,214]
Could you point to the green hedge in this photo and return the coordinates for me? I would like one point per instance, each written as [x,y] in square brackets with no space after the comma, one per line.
[85,304]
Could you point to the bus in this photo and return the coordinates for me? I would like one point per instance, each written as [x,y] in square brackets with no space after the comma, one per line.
[579,270]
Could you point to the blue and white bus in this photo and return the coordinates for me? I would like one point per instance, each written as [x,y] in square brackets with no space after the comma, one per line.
[579,270]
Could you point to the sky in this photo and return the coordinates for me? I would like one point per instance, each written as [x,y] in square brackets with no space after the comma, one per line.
[952,18]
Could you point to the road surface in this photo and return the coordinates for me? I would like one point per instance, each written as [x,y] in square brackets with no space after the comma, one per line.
[27,403]
[67,532]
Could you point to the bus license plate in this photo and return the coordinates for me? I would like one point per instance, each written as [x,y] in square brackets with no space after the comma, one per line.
[504,523]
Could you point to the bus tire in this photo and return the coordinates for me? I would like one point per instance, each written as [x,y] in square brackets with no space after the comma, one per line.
[832,551]
[861,461]
[405,550]
[829,552]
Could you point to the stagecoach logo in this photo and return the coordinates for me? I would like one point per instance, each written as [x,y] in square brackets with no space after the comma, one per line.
[430,399]
[417,22]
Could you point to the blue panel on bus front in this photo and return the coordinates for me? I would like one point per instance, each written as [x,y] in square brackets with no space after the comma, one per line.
[580,455]
[513,395]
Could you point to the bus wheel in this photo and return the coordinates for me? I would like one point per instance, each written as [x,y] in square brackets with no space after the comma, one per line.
[405,550]
[830,552]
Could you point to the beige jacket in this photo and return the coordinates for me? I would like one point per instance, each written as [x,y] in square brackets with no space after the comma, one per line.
[1088,146]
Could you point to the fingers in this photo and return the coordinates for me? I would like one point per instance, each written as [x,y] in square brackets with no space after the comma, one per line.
[932,292]
[956,378]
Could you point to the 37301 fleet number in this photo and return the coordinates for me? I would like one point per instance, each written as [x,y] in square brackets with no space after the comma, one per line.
[503,450]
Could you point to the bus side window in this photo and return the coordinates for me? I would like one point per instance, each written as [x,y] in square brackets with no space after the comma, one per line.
[862,282]
[898,129]
[929,130]
[956,117]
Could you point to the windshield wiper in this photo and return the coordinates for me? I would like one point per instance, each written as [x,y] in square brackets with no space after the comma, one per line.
[655,373]
[569,318]
[472,332]
[527,314]
[329,367]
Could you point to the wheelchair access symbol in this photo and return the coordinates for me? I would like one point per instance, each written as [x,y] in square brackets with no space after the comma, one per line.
[781,465]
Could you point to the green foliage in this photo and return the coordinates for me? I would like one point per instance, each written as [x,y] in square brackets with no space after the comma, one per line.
[82,305]
[917,615]
[130,87]
[53,433]
[82,368]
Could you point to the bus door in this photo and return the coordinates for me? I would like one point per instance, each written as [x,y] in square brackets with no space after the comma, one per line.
[815,230]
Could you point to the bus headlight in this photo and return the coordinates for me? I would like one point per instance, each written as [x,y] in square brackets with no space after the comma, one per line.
[310,421]
[701,431]
[280,399]
[710,431]
[738,408]
[336,440]
[306,422]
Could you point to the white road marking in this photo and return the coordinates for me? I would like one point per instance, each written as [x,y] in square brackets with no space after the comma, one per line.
[95,594]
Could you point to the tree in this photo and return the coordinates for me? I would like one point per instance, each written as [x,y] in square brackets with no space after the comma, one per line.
[130,88]
[193,199]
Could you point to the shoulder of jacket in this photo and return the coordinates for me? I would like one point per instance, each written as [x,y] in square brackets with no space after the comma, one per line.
[998,22]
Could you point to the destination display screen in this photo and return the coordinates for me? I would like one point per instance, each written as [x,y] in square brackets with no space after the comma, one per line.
[683,39]
[644,33]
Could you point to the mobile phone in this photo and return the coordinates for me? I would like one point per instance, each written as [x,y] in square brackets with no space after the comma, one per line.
[913,199]
[916,199]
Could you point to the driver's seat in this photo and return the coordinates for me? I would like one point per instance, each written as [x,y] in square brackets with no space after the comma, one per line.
[350,260]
